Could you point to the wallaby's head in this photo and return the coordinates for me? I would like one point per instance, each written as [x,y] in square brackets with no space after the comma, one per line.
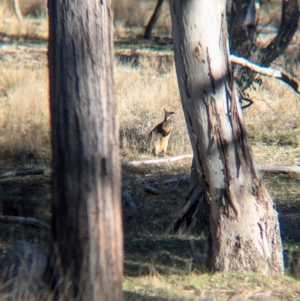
[168,114]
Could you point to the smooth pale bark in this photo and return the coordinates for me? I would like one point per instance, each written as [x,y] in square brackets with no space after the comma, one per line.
[243,225]
[87,227]
[18,10]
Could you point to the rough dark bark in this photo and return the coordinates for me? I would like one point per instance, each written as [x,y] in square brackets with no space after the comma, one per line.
[243,225]
[87,228]
[154,18]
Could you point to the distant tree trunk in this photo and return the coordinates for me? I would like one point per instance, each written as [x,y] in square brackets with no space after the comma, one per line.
[243,225]
[243,35]
[87,253]
[18,10]
[154,18]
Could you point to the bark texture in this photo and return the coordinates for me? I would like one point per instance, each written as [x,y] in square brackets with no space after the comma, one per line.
[87,226]
[243,225]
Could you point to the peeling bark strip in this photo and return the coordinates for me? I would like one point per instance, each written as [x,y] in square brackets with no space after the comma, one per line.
[224,164]
[185,78]
[224,150]
[210,74]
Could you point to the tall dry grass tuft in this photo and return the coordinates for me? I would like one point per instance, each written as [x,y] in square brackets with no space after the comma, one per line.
[142,94]
[24,117]
[274,119]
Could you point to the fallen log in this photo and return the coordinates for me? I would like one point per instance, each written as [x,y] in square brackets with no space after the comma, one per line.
[22,172]
[280,169]
[159,161]
[264,168]
[28,221]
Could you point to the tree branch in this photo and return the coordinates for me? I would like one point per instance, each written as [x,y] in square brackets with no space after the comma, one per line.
[287,78]
[286,31]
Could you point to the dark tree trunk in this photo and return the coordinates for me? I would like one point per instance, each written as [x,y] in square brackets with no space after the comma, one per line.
[153,20]
[243,225]
[243,34]
[87,227]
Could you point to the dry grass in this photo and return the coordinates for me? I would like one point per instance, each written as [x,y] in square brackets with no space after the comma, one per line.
[273,123]
[130,13]
[218,287]
[34,25]
[24,108]
[29,8]
[142,95]
[274,119]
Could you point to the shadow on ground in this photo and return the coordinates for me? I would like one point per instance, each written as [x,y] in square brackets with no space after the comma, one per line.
[147,249]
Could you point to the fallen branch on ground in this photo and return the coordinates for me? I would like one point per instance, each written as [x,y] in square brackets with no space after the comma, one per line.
[150,189]
[22,172]
[176,180]
[159,161]
[280,169]
[128,199]
[285,77]
[263,168]
[28,221]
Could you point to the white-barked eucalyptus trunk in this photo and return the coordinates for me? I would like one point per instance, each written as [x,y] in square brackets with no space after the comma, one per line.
[243,224]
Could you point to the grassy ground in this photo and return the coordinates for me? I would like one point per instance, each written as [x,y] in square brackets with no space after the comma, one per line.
[157,267]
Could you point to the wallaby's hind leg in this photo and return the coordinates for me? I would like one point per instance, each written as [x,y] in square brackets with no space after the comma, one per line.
[164,150]
[156,149]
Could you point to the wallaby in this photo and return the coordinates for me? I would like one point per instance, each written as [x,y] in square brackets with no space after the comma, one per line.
[159,136]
